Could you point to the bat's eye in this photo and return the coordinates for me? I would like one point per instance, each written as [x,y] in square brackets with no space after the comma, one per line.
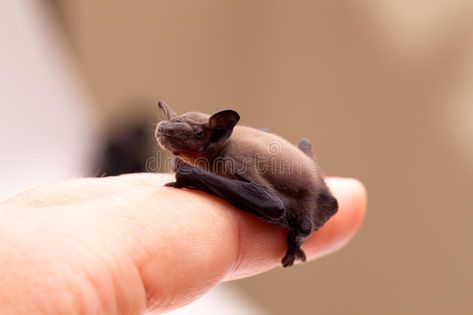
[199,134]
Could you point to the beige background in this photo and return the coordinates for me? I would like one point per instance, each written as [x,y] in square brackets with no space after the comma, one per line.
[383,88]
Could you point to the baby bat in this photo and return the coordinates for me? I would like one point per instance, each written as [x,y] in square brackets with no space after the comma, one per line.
[256,171]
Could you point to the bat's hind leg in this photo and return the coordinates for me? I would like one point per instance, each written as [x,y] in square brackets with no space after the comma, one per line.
[297,234]
[306,147]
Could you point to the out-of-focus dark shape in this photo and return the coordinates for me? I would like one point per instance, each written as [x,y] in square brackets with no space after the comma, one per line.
[126,149]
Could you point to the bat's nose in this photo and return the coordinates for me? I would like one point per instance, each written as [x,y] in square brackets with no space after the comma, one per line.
[164,128]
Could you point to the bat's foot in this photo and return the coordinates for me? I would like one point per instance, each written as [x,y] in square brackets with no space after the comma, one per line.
[288,259]
[295,237]
[300,254]
[291,255]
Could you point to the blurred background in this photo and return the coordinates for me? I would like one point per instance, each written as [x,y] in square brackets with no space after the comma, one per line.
[384,89]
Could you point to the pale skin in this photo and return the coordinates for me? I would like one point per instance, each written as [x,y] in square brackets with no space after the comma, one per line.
[127,245]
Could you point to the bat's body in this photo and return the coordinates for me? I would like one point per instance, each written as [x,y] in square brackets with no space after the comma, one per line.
[257,171]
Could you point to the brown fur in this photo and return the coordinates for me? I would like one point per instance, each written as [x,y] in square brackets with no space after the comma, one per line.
[215,144]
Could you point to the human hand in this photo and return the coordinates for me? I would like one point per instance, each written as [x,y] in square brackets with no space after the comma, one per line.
[126,244]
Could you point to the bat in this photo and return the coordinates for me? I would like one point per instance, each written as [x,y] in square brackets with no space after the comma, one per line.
[254,170]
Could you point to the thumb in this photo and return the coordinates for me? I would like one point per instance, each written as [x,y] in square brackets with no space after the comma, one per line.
[200,240]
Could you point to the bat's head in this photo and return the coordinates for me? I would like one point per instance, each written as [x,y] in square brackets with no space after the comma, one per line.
[194,134]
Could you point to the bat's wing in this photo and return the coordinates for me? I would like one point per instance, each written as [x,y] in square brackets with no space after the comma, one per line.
[244,194]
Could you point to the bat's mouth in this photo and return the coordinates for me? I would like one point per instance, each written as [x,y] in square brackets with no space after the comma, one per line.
[166,143]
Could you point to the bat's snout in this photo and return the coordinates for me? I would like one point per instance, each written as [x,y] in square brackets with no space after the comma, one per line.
[165,128]
[169,136]
[175,136]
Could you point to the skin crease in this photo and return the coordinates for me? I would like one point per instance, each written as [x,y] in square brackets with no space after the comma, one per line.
[126,244]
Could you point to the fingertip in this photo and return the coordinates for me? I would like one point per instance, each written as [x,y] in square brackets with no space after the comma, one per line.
[354,196]
[343,226]
[351,189]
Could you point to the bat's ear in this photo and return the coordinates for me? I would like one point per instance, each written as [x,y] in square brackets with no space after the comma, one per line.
[167,110]
[222,124]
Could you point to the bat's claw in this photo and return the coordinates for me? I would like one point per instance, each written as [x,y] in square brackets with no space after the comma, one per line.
[288,259]
[300,254]
[291,255]
[171,184]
